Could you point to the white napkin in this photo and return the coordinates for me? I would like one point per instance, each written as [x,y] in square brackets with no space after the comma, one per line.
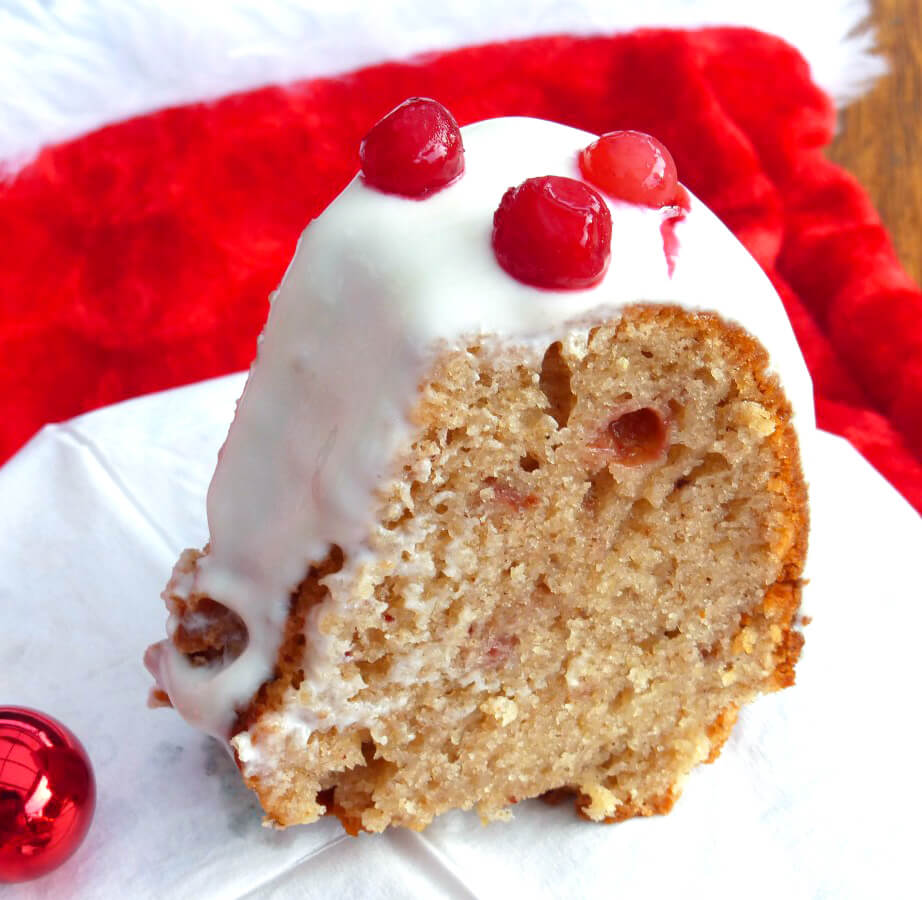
[815,794]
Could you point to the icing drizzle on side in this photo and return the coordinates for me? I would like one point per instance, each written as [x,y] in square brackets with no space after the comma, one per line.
[378,282]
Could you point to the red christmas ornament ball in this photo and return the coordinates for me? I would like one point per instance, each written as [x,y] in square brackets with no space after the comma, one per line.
[47,793]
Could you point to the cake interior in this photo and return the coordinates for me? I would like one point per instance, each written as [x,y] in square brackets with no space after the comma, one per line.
[588,561]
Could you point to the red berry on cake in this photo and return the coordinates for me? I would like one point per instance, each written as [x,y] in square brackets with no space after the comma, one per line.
[679,204]
[415,150]
[631,166]
[553,232]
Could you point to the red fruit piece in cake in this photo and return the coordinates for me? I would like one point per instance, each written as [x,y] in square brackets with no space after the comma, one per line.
[631,166]
[499,650]
[508,495]
[553,232]
[634,438]
[414,150]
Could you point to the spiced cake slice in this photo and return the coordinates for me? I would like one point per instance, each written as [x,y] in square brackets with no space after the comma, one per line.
[512,502]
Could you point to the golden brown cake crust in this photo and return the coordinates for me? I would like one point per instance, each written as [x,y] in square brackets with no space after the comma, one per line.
[510,446]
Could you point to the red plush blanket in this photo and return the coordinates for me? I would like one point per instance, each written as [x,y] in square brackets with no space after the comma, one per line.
[140,257]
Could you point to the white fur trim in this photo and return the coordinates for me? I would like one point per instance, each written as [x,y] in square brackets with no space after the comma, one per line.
[69,66]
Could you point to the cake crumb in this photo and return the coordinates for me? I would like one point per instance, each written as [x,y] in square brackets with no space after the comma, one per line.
[601,805]
[756,418]
[502,709]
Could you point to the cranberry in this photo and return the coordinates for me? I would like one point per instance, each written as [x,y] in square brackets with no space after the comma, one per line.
[553,232]
[500,649]
[680,203]
[510,496]
[414,150]
[635,437]
[631,166]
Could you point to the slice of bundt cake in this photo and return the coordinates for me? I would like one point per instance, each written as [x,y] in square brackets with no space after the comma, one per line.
[512,502]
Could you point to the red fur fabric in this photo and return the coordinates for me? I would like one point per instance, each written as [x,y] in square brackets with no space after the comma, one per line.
[141,256]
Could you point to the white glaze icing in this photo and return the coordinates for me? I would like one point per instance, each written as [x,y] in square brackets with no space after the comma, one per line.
[378,282]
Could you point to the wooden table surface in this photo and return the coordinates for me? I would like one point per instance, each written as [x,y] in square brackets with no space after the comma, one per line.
[880,136]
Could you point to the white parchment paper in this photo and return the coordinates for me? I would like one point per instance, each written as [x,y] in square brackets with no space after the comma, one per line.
[816,793]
